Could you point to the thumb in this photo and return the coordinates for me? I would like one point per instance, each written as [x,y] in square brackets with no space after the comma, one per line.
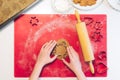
[65,62]
[53,58]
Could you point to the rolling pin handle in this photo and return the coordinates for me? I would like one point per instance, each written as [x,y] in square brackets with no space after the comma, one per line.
[77,16]
[91,67]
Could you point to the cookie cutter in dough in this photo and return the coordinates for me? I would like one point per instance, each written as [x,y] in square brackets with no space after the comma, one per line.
[61,48]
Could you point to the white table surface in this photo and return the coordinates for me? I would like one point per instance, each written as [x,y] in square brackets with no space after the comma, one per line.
[44,7]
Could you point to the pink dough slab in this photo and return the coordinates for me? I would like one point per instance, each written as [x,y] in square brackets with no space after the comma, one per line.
[31,31]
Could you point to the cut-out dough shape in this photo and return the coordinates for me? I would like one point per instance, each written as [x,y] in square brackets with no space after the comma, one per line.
[61,48]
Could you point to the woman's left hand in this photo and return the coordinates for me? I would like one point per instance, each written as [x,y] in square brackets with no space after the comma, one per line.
[44,55]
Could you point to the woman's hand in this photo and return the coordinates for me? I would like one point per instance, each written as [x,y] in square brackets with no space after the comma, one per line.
[43,59]
[75,64]
[44,55]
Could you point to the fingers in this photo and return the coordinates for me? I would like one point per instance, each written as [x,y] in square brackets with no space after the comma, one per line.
[44,45]
[65,62]
[71,49]
[52,45]
[73,52]
[69,52]
[49,43]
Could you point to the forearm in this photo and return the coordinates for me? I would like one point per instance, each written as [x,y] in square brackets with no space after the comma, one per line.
[80,75]
[36,71]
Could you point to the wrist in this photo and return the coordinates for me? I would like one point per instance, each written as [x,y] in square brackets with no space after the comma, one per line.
[80,75]
[39,64]
[78,71]
[36,71]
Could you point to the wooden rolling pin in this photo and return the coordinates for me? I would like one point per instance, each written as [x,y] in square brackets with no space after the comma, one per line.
[85,42]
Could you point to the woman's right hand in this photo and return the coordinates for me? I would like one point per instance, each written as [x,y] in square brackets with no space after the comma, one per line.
[74,63]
